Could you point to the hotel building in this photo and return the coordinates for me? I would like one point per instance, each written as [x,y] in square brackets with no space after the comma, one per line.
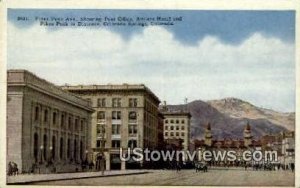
[126,116]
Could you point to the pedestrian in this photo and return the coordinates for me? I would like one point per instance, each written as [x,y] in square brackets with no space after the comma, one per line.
[292,167]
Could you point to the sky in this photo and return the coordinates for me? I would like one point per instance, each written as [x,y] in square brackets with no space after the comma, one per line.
[208,55]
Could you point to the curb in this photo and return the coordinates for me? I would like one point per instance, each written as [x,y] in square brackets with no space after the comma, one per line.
[73,178]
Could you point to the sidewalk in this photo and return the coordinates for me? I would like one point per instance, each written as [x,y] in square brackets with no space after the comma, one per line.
[29,178]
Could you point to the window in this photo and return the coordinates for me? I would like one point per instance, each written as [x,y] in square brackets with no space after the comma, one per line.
[166,127]
[132,116]
[182,127]
[101,102]
[89,101]
[101,115]
[115,143]
[182,134]
[116,102]
[99,144]
[182,121]
[132,144]
[100,130]
[177,134]
[166,134]
[36,146]
[76,124]
[172,134]
[177,121]
[132,129]
[81,125]
[70,123]
[37,110]
[177,128]
[172,128]
[116,115]
[46,116]
[62,121]
[54,118]
[61,148]
[115,129]
[132,102]
[166,121]
[172,121]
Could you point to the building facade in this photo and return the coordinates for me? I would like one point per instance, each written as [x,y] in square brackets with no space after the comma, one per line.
[126,116]
[177,126]
[48,129]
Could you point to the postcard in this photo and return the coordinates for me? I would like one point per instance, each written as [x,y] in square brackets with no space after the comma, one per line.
[161,96]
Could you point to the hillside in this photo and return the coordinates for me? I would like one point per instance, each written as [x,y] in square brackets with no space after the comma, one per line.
[229,116]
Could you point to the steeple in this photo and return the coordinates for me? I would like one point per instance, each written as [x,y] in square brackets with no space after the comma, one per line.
[208,135]
[247,135]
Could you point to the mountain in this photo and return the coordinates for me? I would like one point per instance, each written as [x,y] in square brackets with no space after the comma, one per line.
[229,116]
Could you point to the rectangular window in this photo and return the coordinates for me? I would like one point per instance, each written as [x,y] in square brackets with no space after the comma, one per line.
[133,102]
[115,128]
[70,124]
[100,130]
[132,129]
[116,102]
[132,144]
[101,115]
[132,115]
[172,134]
[89,101]
[54,118]
[116,115]
[100,144]
[177,128]
[166,134]
[76,124]
[115,143]
[36,114]
[182,134]
[182,127]
[101,102]
[46,116]
[62,121]
[166,127]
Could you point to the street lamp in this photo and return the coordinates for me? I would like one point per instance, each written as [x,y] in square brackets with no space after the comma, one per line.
[41,152]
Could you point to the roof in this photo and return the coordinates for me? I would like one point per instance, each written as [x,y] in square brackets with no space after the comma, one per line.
[111,87]
[21,77]
[177,113]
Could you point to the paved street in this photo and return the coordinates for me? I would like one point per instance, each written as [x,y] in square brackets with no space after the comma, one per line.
[190,177]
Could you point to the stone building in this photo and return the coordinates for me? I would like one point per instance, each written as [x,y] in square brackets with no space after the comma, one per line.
[126,116]
[48,129]
[177,126]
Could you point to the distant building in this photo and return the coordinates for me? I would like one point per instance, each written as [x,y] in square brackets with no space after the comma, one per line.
[48,129]
[177,126]
[288,149]
[126,116]
[226,144]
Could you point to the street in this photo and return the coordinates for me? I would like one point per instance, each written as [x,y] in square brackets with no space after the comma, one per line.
[237,177]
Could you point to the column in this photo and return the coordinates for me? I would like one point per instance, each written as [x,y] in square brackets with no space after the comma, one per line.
[107,160]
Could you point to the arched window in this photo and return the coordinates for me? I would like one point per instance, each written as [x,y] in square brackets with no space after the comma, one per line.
[46,116]
[45,146]
[81,150]
[61,148]
[68,148]
[75,150]
[35,146]
[36,114]
[53,147]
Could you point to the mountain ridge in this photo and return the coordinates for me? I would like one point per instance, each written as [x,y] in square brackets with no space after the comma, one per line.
[228,117]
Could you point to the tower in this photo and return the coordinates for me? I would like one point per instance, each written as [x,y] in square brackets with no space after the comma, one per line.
[247,135]
[208,136]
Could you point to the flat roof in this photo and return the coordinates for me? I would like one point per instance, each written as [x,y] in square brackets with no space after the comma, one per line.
[21,77]
[111,87]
